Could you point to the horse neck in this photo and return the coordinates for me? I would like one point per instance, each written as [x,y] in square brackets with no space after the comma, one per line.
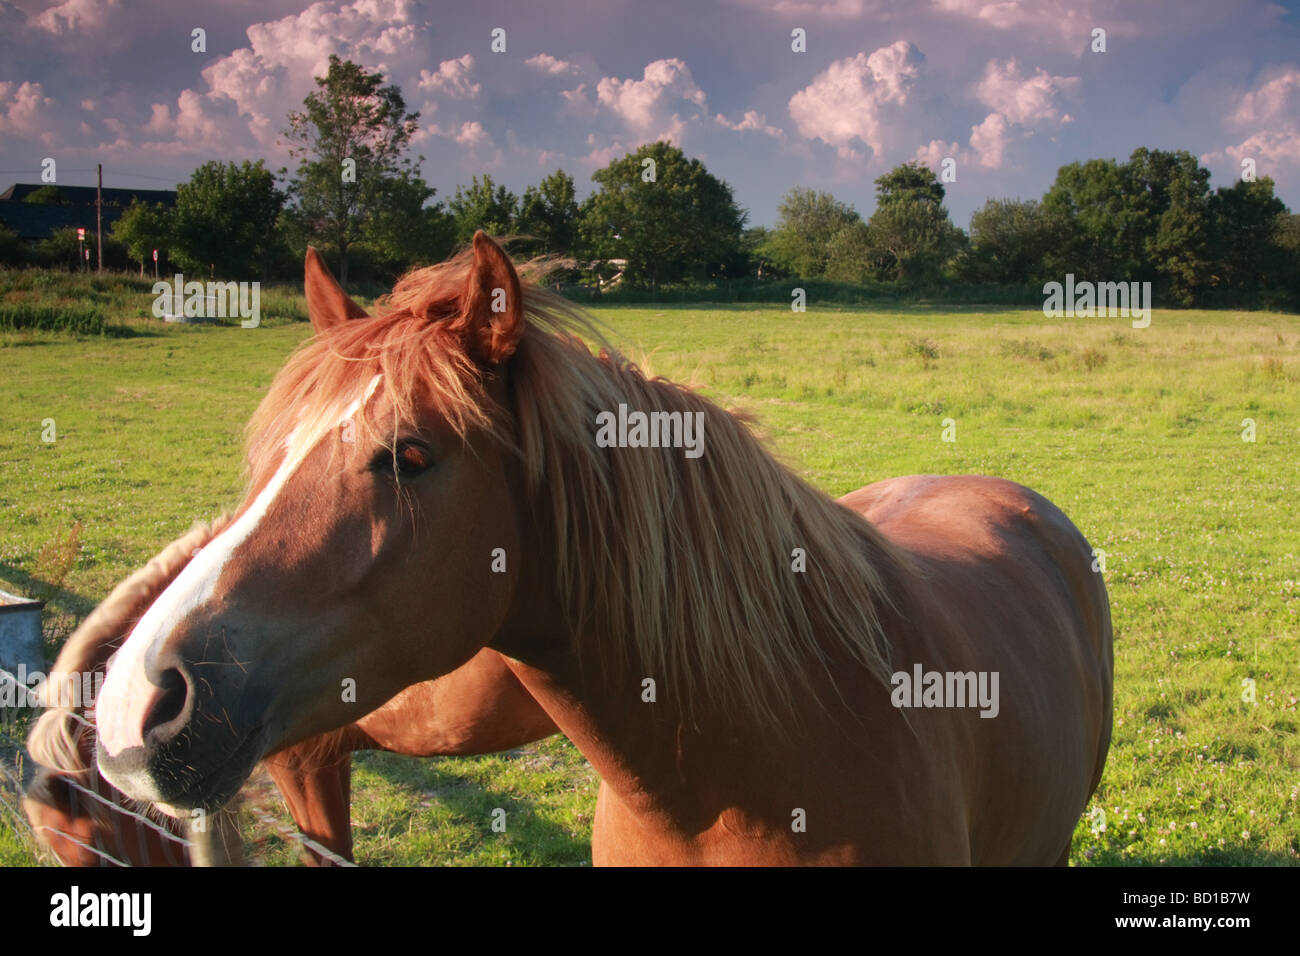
[679,771]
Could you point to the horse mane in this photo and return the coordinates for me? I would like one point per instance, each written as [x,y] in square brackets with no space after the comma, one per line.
[55,739]
[681,566]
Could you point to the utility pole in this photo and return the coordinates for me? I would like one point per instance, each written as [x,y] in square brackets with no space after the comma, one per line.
[99,214]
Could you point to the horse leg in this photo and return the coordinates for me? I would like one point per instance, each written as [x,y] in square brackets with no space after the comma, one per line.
[315,779]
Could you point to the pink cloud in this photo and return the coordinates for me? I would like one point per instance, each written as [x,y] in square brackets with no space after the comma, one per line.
[1024,100]
[545,63]
[752,120]
[649,106]
[852,98]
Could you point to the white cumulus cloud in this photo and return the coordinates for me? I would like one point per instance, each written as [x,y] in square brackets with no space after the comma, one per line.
[853,98]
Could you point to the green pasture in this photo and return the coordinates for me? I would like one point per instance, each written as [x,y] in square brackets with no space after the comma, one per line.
[1137,434]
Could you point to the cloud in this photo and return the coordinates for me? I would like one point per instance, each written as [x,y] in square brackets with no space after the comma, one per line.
[752,120]
[852,99]
[75,16]
[29,110]
[546,63]
[451,79]
[1024,100]
[1269,116]
[650,106]
[472,134]
[270,76]
[935,152]
[989,140]
[1066,22]
[831,9]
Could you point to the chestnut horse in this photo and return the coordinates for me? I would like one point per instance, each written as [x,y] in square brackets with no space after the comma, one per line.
[729,647]
[84,821]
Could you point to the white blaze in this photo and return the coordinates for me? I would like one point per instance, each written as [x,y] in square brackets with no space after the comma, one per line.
[127,696]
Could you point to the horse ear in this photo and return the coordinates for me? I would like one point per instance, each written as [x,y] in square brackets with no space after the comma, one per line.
[327,303]
[492,308]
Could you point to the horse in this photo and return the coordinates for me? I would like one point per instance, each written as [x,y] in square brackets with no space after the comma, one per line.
[730,648]
[84,821]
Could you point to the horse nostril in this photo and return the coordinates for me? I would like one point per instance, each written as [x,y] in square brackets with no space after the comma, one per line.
[171,704]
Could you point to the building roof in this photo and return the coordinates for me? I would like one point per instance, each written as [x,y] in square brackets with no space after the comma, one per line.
[85,195]
[41,220]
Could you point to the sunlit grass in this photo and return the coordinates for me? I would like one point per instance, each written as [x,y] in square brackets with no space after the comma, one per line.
[1134,433]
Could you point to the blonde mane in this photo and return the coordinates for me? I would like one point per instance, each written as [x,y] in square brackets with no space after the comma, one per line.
[683,567]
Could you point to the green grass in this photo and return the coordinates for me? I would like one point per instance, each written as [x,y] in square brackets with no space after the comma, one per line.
[1134,433]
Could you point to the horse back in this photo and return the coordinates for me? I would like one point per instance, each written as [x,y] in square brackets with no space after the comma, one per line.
[998,580]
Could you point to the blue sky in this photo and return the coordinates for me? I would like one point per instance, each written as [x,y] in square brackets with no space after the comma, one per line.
[1009,90]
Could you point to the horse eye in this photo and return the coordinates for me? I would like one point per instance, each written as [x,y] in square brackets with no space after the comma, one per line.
[412,458]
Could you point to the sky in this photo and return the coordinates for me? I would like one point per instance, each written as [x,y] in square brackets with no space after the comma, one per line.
[1009,91]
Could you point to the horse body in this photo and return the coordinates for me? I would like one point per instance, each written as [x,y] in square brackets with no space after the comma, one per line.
[1007,586]
[737,705]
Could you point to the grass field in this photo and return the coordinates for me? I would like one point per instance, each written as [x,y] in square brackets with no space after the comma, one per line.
[1137,434]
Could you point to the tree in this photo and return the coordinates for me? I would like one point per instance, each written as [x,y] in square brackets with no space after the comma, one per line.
[807,222]
[851,257]
[909,237]
[1174,190]
[1147,219]
[1008,240]
[910,181]
[484,205]
[50,195]
[350,139]
[549,213]
[665,214]
[225,219]
[1104,227]
[1243,231]
[911,241]
[143,228]
[406,228]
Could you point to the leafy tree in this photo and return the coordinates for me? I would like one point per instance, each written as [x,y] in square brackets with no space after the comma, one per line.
[1244,231]
[1104,229]
[911,240]
[679,222]
[1008,240]
[406,229]
[225,219]
[909,237]
[1174,190]
[807,222]
[1286,240]
[910,181]
[484,205]
[143,228]
[350,139]
[752,256]
[49,195]
[851,256]
[1144,220]
[549,212]
[62,249]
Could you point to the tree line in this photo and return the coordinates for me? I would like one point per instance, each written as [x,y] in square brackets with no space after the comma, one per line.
[658,218]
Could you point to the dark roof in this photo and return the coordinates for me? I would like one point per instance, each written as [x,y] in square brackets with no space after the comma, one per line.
[85,195]
[41,220]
